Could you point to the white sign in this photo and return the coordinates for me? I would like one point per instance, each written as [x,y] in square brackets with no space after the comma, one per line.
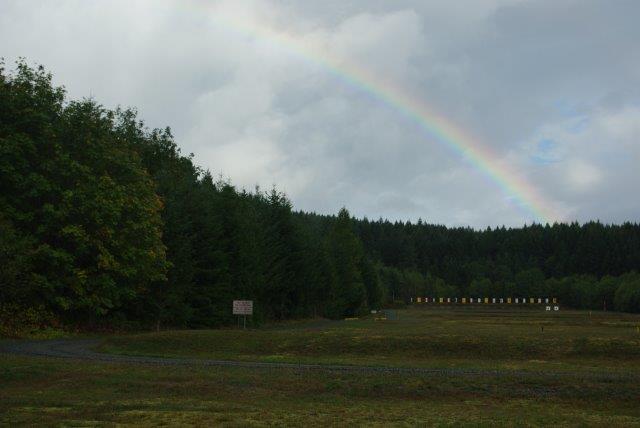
[243,307]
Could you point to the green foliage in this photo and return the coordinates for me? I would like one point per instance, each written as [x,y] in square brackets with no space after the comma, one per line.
[627,296]
[19,321]
[530,283]
[16,263]
[480,287]
[371,280]
[79,196]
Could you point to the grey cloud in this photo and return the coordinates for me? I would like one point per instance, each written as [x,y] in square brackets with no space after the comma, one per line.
[509,72]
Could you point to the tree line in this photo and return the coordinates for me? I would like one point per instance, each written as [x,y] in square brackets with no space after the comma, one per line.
[104,222]
[588,266]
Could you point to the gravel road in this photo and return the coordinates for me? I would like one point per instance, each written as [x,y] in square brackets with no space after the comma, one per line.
[83,350]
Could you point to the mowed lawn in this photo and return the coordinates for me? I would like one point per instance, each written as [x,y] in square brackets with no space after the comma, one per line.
[48,391]
[421,337]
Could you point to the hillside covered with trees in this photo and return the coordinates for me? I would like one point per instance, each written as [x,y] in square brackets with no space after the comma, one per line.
[104,222]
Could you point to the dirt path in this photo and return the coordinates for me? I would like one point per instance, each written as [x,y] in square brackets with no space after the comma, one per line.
[83,349]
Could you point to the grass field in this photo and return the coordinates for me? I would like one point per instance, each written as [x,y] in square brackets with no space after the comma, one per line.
[45,391]
[474,338]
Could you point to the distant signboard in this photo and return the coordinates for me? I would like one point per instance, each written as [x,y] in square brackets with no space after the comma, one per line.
[243,307]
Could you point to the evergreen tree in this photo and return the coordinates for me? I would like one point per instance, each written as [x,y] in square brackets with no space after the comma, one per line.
[346,251]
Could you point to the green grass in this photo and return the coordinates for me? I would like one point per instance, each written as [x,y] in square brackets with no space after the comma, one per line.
[420,338]
[40,391]
[51,392]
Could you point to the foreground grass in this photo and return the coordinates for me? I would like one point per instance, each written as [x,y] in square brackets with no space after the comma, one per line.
[37,391]
[500,339]
[47,391]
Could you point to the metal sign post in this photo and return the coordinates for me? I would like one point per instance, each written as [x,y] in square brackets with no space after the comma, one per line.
[244,308]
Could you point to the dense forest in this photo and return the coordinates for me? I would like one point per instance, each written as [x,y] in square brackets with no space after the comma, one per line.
[104,223]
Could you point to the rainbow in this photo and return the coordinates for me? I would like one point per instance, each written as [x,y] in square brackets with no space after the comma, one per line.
[434,125]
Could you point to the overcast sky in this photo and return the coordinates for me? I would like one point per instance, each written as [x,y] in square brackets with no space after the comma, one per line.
[552,88]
